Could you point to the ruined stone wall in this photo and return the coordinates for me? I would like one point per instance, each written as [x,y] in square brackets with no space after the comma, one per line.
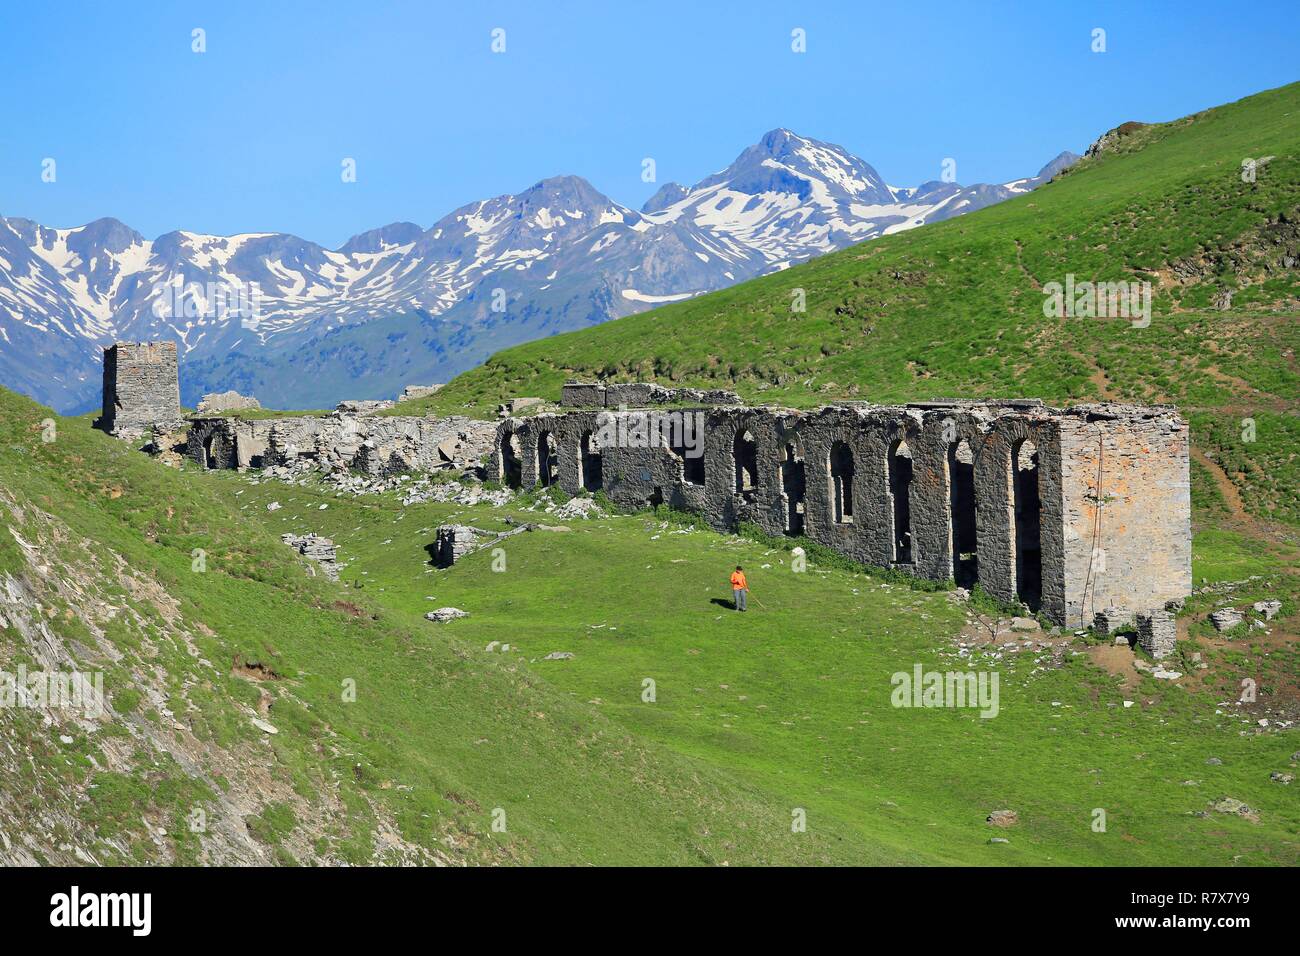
[1128,540]
[141,387]
[1019,484]
[639,395]
[374,446]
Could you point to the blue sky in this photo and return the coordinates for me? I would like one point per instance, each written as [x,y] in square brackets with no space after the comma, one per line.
[250,135]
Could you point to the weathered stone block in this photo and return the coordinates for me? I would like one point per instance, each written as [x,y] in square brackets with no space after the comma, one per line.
[1226,618]
[315,548]
[1157,633]
[418,391]
[453,542]
[1111,619]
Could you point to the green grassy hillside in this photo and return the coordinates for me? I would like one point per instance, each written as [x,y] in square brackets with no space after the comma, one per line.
[100,571]
[303,720]
[956,308]
[754,717]
[793,699]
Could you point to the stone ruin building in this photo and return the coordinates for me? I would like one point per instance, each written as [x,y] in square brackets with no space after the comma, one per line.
[142,396]
[141,387]
[1078,513]
[1068,511]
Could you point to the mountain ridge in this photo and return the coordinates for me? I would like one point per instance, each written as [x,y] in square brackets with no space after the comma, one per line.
[556,256]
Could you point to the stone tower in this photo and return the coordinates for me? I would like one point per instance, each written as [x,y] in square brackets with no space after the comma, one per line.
[141,387]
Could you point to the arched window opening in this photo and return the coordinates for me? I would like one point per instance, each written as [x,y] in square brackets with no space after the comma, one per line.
[841,476]
[746,451]
[900,487]
[961,509]
[211,450]
[794,488]
[692,458]
[548,460]
[589,470]
[589,463]
[512,471]
[1027,509]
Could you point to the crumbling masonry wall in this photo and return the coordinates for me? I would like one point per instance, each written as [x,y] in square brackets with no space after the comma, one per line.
[141,387]
[1028,474]
[639,395]
[372,445]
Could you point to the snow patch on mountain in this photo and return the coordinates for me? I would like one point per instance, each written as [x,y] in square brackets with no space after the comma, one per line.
[559,255]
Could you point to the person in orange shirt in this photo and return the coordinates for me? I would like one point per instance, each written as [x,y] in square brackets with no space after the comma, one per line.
[739,587]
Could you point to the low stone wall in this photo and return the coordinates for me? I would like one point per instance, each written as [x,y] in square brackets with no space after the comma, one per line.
[639,395]
[418,391]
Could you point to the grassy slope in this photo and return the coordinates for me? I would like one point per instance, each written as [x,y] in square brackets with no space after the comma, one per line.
[437,737]
[793,699]
[787,707]
[956,308]
[755,716]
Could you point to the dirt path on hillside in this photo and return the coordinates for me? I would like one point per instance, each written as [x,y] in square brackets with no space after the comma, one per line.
[1229,491]
[1098,378]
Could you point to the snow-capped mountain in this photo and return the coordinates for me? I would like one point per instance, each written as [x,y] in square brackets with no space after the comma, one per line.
[304,326]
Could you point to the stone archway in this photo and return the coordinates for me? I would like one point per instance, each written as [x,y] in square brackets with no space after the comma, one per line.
[512,465]
[1027,515]
[840,470]
[963,530]
[794,486]
[900,496]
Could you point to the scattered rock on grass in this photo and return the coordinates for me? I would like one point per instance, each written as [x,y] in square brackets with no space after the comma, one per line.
[1226,618]
[444,614]
[1235,807]
[1003,818]
[1267,608]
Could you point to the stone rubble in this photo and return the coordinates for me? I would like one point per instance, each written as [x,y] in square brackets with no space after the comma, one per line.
[1226,618]
[444,614]
[315,548]
[363,406]
[1267,608]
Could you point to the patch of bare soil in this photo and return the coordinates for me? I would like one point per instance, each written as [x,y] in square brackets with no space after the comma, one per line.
[253,670]
[1116,660]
